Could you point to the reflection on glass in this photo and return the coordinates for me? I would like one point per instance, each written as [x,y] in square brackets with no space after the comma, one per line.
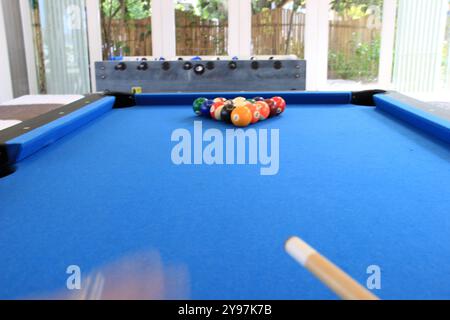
[446,58]
[60,38]
[201,27]
[278,27]
[354,41]
[126,28]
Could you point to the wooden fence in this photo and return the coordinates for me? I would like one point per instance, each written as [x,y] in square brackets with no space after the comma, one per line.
[271,31]
[196,36]
[135,38]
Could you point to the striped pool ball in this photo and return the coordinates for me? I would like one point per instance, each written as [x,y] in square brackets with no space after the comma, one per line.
[217,112]
[214,107]
[197,105]
[255,113]
[219,100]
[264,110]
[206,108]
[281,104]
[241,103]
[239,100]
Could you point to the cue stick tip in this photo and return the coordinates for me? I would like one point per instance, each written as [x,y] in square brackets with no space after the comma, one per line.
[298,249]
[331,275]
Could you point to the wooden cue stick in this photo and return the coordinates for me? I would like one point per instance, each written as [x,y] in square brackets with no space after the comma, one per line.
[331,275]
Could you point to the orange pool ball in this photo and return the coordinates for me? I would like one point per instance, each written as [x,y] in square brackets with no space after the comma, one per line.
[241,116]
[264,110]
[255,113]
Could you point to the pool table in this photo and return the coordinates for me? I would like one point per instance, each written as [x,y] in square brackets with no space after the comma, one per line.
[364,177]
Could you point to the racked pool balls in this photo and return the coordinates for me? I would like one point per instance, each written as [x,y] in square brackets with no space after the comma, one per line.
[281,104]
[241,116]
[225,114]
[198,104]
[264,110]
[214,107]
[206,108]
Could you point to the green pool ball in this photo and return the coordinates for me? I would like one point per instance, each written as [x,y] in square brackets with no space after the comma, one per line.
[251,100]
[197,105]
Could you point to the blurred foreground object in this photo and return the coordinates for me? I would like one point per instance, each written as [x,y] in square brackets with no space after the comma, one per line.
[138,277]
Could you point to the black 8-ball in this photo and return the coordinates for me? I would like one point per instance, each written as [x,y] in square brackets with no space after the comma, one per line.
[225,114]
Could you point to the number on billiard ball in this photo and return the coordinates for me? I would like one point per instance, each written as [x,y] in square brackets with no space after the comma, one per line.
[241,116]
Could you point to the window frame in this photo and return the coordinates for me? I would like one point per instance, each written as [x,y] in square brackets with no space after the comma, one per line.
[239,37]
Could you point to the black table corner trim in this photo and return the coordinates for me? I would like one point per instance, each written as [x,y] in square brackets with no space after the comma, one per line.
[365,98]
[123,99]
[8,153]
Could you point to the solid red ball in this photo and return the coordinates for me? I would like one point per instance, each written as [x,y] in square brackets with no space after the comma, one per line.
[280,103]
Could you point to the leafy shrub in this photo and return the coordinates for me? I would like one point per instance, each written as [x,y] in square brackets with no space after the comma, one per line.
[362,63]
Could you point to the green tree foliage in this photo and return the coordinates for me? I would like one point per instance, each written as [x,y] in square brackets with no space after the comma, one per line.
[133,9]
[342,6]
[262,5]
[213,9]
[361,65]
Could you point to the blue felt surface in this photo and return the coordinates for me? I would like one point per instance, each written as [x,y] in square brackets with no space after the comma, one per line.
[356,183]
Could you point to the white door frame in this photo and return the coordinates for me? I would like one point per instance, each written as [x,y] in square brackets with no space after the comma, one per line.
[94,29]
[316,43]
[239,28]
[387,43]
[28,39]
[6,89]
[163,28]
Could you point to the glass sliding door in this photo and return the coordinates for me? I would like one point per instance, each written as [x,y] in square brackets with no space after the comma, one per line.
[278,27]
[201,27]
[446,63]
[354,43]
[126,28]
[60,35]
[420,46]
